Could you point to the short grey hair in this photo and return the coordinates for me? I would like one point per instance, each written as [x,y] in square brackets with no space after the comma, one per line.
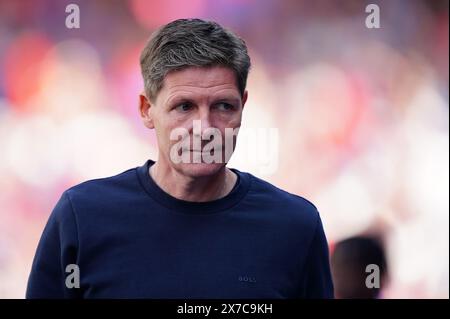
[192,42]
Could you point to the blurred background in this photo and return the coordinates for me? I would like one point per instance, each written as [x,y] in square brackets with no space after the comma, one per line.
[362,116]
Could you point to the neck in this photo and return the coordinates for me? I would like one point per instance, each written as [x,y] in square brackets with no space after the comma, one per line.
[194,189]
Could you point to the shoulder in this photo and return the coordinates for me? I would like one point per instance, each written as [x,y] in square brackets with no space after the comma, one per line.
[278,196]
[283,205]
[97,184]
[103,190]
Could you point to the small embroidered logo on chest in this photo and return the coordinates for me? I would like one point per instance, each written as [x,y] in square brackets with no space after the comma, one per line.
[247,279]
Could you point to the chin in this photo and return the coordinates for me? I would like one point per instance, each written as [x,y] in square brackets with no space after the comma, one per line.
[199,169]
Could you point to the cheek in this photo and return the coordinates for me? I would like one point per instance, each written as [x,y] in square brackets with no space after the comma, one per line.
[178,129]
[163,128]
[233,121]
[229,123]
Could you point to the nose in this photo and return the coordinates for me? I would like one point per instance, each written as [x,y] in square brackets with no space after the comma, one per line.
[200,126]
[205,118]
[202,121]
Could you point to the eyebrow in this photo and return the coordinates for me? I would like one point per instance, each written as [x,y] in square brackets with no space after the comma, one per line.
[230,99]
[180,99]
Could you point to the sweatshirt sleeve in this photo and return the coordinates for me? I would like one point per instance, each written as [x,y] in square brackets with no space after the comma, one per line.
[318,282]
[57,248]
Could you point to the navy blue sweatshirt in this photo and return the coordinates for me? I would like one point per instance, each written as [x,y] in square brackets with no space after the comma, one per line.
[130,239]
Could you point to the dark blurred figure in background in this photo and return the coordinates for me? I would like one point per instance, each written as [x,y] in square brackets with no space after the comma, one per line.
[351,275]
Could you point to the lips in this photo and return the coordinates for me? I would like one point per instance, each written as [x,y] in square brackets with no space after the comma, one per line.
[197,151]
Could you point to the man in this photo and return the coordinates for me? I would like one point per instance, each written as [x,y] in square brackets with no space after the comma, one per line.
[185,226]
[359,268]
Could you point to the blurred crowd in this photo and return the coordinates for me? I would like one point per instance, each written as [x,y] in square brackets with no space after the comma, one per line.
[362,117]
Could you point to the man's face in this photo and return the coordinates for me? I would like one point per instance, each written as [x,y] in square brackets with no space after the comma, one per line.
[196,100]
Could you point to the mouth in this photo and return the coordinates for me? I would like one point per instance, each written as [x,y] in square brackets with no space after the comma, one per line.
[200,152]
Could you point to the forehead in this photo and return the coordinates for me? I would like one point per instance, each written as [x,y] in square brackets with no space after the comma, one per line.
[200,80]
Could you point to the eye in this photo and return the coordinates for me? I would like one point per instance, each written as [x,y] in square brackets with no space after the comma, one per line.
[184,107]
[223,106]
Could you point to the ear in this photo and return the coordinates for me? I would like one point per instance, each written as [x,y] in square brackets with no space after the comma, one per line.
[144,110]
[244,98]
